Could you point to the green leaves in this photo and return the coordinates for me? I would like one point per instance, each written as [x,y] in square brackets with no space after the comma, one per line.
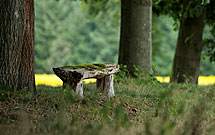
[65,35]
[210,43]
[205,2]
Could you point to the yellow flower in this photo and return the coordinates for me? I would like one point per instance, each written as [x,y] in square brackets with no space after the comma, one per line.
[53,80]
[207,80]
[203,80]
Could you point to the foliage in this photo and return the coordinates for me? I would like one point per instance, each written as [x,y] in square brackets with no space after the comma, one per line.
[66,34]
[104,10]
[176,9]
[194,8]
[211,49]
[163,43]
[210,45]
[137,109]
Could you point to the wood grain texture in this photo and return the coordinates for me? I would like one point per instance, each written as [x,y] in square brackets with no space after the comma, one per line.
[108,85]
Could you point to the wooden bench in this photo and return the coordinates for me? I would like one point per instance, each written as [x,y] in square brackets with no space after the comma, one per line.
[73,76]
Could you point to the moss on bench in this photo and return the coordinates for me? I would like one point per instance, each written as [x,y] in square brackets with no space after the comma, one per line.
[97,66]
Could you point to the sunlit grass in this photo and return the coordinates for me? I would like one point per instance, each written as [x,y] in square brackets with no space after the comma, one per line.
[53,80]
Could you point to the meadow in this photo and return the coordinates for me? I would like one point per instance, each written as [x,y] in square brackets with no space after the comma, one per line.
[140,107]
[54,81]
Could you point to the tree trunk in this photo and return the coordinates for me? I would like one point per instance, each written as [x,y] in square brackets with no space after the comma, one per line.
[135,37]
[17,44]
[186,64]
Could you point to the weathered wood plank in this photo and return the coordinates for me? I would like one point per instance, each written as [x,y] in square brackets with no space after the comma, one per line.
[79,88]
[108,85]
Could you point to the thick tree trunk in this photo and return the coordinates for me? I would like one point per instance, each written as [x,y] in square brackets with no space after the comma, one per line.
[17,44]
[186,64]
[135,38]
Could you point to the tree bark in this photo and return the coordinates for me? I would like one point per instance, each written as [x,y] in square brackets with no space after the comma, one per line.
[186,64]
[17,44]
[135,37]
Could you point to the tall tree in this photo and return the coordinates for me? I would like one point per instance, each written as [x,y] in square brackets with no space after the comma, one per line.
[135,49]
[192,16]
[186,64]
[17,44]
[135,37]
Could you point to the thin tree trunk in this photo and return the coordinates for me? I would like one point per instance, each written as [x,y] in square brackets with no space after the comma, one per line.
[186,64]
[135,38]
[16,43]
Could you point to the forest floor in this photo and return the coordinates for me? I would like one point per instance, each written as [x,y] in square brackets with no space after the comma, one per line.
[139,107]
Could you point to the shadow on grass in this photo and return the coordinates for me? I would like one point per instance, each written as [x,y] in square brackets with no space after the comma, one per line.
[136,109]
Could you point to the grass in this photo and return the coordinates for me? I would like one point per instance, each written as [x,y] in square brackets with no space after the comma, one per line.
[139,107]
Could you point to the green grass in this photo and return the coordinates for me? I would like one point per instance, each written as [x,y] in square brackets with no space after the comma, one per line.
[139,107]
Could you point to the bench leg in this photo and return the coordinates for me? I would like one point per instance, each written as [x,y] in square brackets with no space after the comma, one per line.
[79,88]
[108,85]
